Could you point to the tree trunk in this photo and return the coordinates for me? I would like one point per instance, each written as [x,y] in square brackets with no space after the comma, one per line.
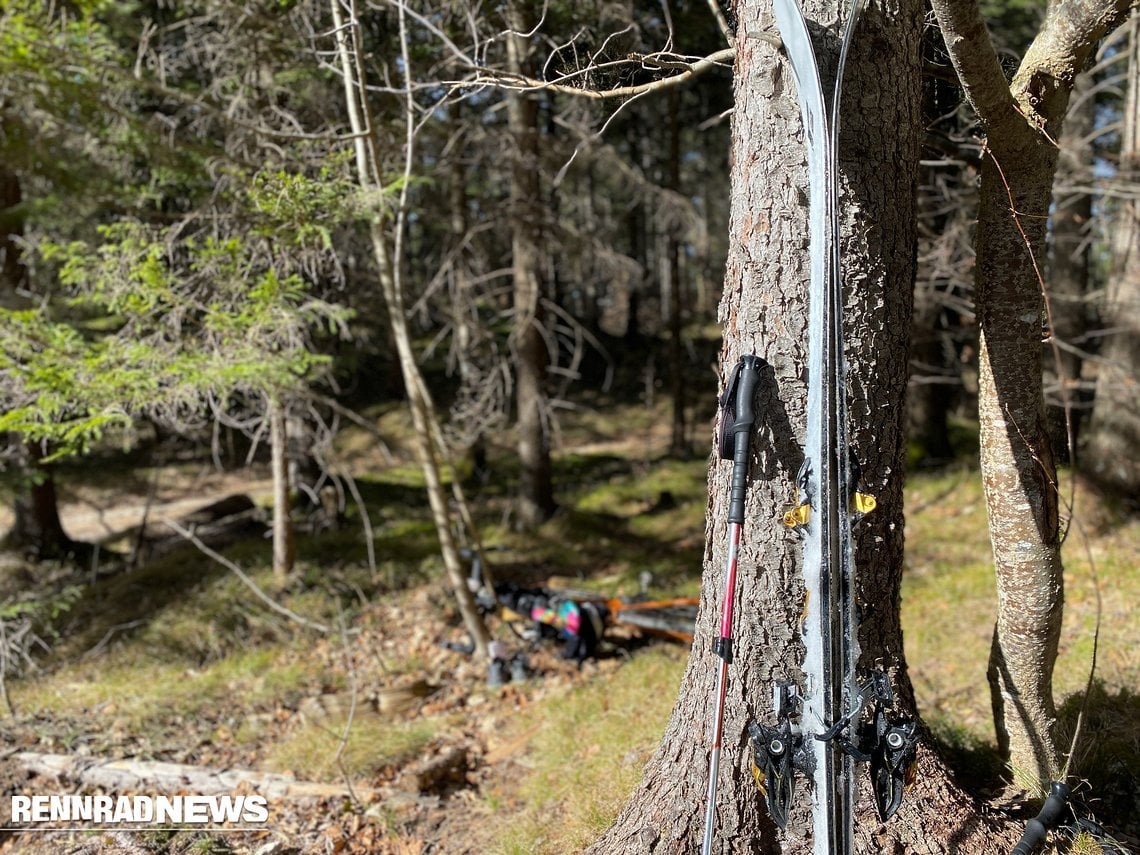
[636,229]
[947,205]
[37,530]
[1018,471]
[465,323]
[1111,456]
[536,489]
[931,394]
[1021,122]
[284,550]
[763,311]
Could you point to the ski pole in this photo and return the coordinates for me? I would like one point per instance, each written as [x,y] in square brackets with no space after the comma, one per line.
[737,419]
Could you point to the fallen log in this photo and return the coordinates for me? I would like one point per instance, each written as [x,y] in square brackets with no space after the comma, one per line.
[174,777]
[217,534]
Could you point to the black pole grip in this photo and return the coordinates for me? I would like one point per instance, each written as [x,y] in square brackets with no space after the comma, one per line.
[747,378]
[1037,828]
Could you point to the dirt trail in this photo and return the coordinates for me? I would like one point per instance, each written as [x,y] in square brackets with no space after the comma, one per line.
[98,515]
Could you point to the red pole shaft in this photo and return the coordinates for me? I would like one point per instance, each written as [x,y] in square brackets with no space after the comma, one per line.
[724,650]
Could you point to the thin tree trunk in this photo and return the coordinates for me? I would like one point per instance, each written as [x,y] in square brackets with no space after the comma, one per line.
[930,397]
[284,550]
[946,210]
[1018,471]
[12,270]
[424,421]
[637,230]
[536,487]
[1111,457]
[464,327]
[1021,122]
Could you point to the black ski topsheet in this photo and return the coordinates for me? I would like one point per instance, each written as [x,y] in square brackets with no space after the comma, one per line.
[831,643]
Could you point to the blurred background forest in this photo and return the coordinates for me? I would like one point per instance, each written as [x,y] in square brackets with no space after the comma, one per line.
[302,303]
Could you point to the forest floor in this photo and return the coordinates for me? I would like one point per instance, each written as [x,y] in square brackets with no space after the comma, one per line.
[174,660]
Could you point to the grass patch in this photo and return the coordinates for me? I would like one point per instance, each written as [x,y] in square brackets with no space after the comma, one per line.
[949,599]
[373,742]
[588,751]
[134,693]
[1107,758]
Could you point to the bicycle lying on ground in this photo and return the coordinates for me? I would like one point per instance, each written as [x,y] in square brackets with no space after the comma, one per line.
[582,617]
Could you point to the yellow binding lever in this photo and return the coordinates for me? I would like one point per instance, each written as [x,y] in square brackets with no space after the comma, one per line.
[798,515]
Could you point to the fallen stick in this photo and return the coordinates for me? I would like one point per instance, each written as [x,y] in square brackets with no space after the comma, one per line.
[159,775]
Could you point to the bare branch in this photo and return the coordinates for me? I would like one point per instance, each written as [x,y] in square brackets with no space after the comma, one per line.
[689,70]
[244,577]
[721,21]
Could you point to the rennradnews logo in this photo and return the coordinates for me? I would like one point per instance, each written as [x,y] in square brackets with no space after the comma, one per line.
[157,810]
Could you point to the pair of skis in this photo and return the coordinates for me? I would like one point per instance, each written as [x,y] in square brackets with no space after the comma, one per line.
[823,730]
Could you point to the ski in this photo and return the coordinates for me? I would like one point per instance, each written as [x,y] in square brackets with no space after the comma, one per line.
[831,733]
[830,631]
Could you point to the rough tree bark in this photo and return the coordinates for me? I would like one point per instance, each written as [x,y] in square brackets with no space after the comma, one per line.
[763,311]
[1021,121]
[528,344]
[1115,428]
